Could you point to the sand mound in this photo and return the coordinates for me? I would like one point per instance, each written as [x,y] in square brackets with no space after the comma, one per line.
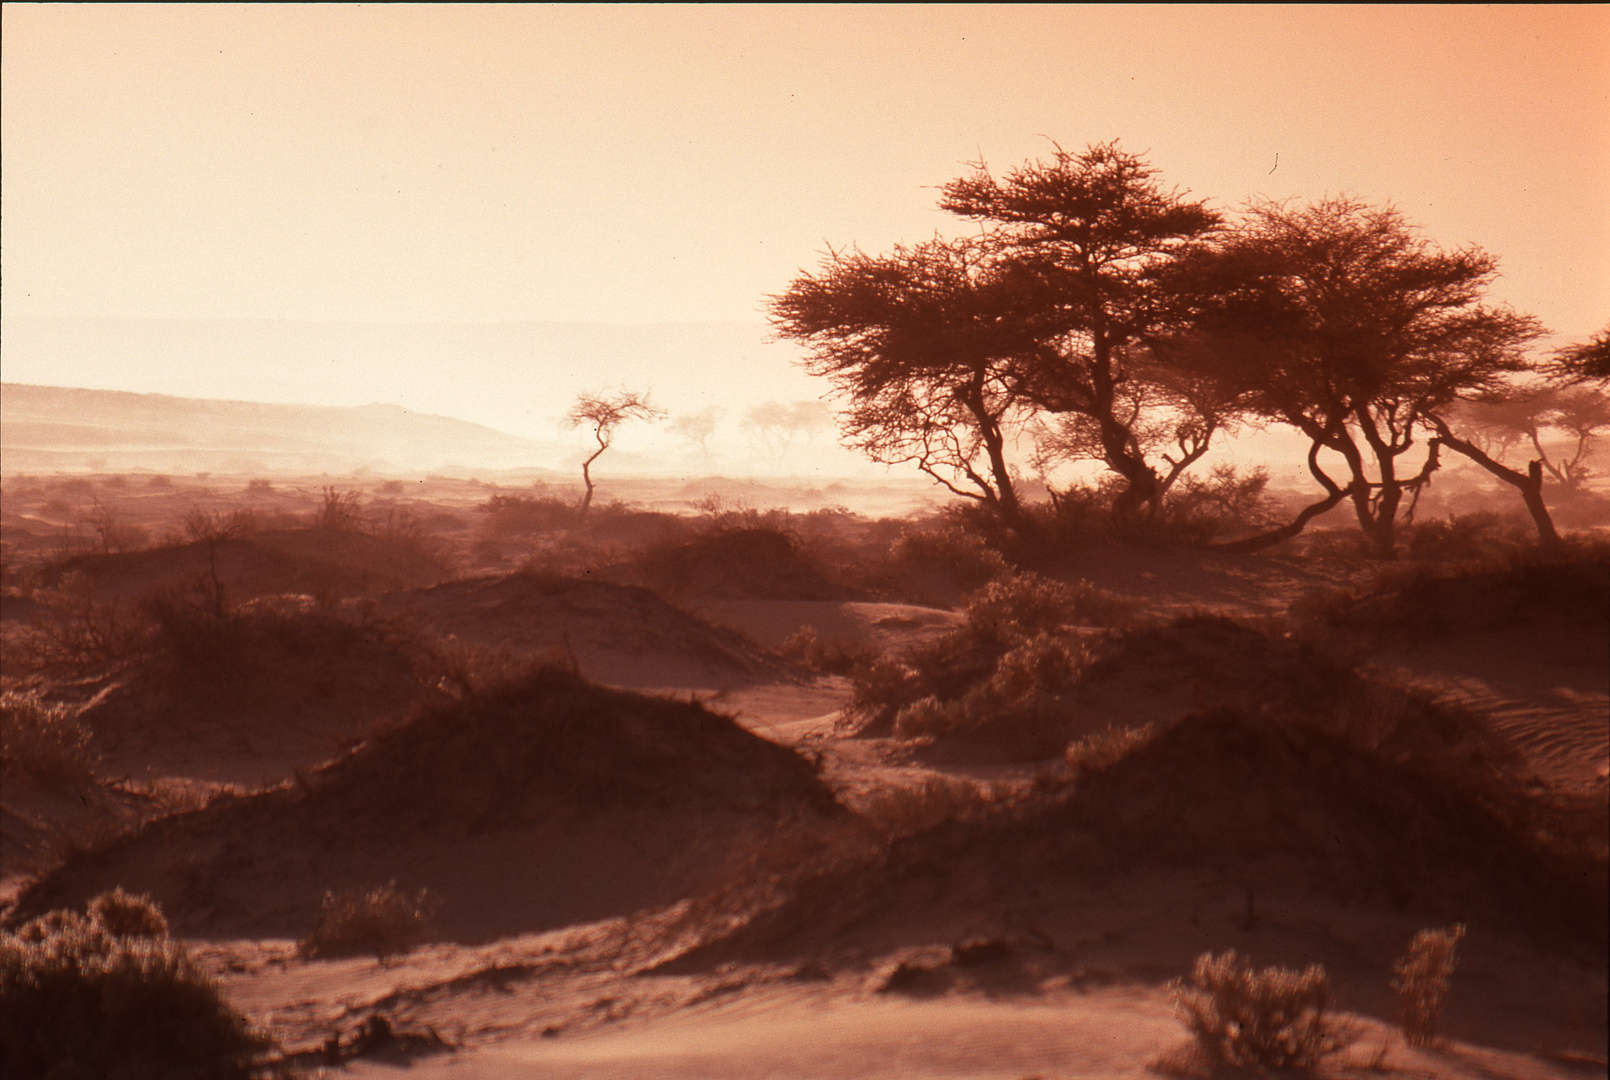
[541,803]
[1158,675]
[619,634]
[1026,700]
[246,695]
[297,561]
[733,564]
[1227,792]
[1551,594]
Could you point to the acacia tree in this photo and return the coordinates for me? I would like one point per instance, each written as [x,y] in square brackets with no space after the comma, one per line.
[1350,327]
[1527,414]
[1094,232]
[1587,361]
[604,414]
[922,343]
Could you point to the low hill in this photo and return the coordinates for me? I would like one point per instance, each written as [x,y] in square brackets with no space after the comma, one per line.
[60,429]
[541,802]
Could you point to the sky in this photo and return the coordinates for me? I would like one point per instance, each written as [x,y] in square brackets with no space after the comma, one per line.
[651,164]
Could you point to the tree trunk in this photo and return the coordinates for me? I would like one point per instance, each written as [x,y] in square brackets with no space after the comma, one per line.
[1529,484]
[1269,539]
[587,478]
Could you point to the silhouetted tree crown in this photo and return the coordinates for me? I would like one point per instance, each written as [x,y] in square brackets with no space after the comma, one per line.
[1584,362]
[604,413]
[941,347]
[1348,325]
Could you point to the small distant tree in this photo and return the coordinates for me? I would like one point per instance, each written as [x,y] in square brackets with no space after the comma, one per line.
[775,425]
[697,427]
[604,414]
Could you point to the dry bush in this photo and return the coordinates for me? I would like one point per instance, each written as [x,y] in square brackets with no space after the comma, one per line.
[1000,681]
[1023,604]
[878,691]
[43,741]
[1021,710]
[128,915]
[1096,752]
[949,551]
[1468,538]
[201,526]
[339,511]
[382,920]
[524,515]
[1420,978]
[907,809]
[833,657]
[79,634]
[1241,1016]
[1226,501]
[110,995]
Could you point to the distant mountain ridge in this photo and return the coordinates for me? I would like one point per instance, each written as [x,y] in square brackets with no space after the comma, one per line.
[52,428]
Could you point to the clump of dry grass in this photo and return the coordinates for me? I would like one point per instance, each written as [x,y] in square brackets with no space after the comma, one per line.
[999,684]
[110,994]
[830,657]
[128,915]
[1420,977]
[1096,752]
[44,741]
[383,920]
[907,809]
[1273,1017]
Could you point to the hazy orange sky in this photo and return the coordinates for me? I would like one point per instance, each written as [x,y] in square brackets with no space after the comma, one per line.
[626,164]
[661,163]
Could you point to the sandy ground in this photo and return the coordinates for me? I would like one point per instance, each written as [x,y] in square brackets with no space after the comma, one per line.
[589,1001]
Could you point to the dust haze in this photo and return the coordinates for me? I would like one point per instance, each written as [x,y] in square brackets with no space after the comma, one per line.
[720,553]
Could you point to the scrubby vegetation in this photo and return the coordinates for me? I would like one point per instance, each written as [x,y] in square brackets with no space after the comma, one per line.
[42,740]
[1269,1017]
[1421,979]
[383,920]
[110,995]
[1000,682]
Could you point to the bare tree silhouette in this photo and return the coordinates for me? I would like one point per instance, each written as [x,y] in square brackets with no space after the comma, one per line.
[604,414]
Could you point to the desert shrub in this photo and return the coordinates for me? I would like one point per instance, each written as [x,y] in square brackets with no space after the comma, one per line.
[523,515]
[949,551]
[833,657]
[1242,1016]
[382,920]
[42,740]
[761,563]
[1420,978]
[1227,500]
[1024,604]
[878,691]
[103,996]
[1000,679]
[1096,752]
[78,634]
[901,810]
[201,525]
[339,511]
[128,915]
[1467,538]
[1021,710]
